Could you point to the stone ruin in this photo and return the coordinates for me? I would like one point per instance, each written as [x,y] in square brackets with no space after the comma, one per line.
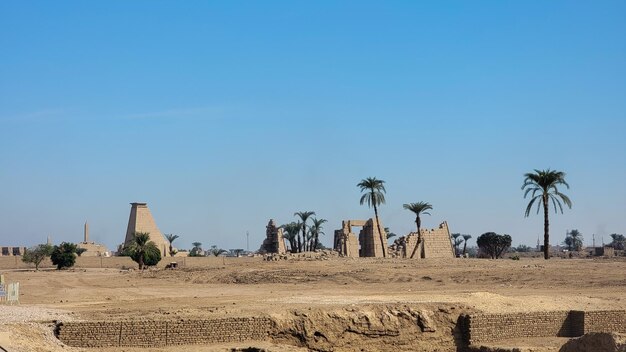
[92,249]
[12,251]
[436,243]
[274,241]
[367,244]
[141,220]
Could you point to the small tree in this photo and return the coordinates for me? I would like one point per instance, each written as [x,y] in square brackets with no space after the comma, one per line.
[64,255]
[196,251]
[37,254]
[493,244]
[171,238]
[216,251]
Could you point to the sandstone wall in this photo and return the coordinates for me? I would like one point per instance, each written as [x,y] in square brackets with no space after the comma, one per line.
[605,321]
[16,262]
[494,327]
[162,333]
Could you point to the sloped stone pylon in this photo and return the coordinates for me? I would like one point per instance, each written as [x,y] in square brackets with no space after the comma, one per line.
[141,220]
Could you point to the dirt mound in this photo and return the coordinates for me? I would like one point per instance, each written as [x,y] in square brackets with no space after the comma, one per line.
[373,328]
[597,342]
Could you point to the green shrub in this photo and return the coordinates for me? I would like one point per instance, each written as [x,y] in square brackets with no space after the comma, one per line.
[64,255]
[515,257]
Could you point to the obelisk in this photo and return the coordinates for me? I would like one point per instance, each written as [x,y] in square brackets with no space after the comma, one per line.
[86,232]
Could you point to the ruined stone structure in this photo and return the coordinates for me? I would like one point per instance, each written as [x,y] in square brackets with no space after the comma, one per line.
[435,244]
[274,241]
[92,249]
[367,244]
[141,220]
[11,251]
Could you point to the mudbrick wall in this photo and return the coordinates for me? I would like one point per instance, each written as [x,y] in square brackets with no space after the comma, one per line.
[494,327]
[162,333]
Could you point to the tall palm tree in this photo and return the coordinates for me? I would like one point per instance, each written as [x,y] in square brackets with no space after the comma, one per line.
[290,232]
[542,186]
[465,238]
[171,238]
[304,216]
[316,231]
[419,208]
[374,196]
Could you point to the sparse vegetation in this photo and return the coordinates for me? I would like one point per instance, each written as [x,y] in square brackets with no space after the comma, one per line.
[618,242]
[37,254]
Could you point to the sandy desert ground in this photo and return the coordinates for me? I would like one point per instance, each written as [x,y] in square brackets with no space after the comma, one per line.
[278,288]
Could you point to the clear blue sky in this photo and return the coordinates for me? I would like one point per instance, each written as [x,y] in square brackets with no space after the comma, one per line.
[222,115]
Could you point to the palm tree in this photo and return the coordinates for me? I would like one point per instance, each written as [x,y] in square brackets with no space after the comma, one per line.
[171,238]
[304,216]
[418,208]
[290,232]
[216,251]
[196,251]
[139,244]
[465,238]
[316,231]
[574,240]
[389,233]
[455,240]
[618,241]
[374,196]
[542,185]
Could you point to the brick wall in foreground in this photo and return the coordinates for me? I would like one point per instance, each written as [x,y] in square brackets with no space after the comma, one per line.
[162,333]
[494,327]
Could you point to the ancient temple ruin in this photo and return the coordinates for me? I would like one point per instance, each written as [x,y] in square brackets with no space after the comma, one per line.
[435,244]
[141,220]
[92,249]
[367,244]
[274,241]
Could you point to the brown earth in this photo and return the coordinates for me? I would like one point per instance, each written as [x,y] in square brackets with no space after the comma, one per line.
[326,295]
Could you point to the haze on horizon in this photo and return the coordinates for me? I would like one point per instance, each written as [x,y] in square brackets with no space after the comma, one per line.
[223,115]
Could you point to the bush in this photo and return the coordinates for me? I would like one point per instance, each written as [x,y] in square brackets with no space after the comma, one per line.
[493,244]
[37,254]
[515,257]
[64,255]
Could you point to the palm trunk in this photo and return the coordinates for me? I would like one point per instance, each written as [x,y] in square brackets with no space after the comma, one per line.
[299,249]
[380,233]
[316,242]
[419,236]
[140,261]
[464,247]
[546,229]
[303,244]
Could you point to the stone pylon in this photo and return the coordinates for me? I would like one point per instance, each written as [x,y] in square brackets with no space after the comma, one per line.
[141,220]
